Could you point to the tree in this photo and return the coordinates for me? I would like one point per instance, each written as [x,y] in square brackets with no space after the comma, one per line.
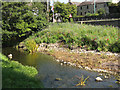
[20,19]
[65,10]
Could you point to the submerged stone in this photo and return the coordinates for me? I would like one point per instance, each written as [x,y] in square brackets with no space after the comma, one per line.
[99,79]
[58,79]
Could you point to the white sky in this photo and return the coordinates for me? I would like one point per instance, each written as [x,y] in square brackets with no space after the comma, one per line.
[66,1]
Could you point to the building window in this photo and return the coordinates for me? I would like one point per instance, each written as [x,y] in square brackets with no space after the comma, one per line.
[81,13]
[87,7]
[95,6]
[104,5]
[85,13]
[81,8]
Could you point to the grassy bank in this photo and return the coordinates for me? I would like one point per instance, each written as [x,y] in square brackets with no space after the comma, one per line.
[15,75]
[101,38]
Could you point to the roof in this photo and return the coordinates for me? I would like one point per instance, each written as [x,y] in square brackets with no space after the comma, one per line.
[90,2]
[85,3]
[75,3]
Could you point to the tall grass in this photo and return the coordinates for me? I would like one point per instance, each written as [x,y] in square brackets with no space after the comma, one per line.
[102,38]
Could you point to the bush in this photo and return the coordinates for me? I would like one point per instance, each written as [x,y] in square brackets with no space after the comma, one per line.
[101,38]
[19,20]
[31,45]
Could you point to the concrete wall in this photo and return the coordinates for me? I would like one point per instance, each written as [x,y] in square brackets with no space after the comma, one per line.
[115,23]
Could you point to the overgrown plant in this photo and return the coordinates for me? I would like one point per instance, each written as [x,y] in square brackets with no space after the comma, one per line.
[31,45]
[89,37]
[82,81]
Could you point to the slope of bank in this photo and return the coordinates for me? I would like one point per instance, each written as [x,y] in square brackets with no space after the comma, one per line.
[15,75]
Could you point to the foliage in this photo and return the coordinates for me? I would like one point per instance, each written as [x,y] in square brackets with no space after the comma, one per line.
[89,14]
[31,45]
[101,11]
[65,10]
[101,38]
[82,81]
[15,75]
[20,19]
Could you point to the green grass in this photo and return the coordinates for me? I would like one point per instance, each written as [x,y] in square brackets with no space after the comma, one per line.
[15,75]
[102,38]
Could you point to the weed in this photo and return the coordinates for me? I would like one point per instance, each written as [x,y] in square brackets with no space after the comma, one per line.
[82,81]
[31,45]
[91,37]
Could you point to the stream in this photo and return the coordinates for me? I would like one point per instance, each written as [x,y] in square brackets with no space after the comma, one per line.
[49,70]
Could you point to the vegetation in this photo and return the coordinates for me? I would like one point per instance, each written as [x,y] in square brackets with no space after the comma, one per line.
[31,45]
[15,75]
[21,19]
[65,10]
[82,81]
[101,38]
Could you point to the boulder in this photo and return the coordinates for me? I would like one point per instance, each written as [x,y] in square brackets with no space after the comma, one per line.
[99,79]
[58,79]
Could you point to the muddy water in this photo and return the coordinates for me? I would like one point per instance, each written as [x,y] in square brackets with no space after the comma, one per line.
[49,70]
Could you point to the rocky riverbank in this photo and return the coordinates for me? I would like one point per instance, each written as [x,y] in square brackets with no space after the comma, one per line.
[90,60]
[105,62]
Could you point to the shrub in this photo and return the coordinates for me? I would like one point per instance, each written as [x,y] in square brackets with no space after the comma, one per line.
[31,45]
[101,38]
[19,20]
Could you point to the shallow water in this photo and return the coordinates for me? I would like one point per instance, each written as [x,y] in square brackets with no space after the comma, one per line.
[49,70]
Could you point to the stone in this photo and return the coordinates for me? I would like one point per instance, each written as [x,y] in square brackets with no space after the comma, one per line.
[61,64]
[87,68]
[57,60]
[21,45]
[106,77]
[65,62]
[10,56]
[100,74]
[99,79]
[58,79]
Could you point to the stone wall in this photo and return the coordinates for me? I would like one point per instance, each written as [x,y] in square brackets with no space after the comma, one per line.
[115,23]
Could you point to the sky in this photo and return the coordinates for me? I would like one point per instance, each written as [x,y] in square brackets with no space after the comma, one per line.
[66,1]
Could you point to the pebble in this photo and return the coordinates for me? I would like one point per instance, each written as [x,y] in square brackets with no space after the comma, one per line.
[100,74]
[10,56]
[65,62]
[58,79]
[106,77]
[87,68]
[99,79]
[68,63]
[80,66]
[58,60]
[61,64]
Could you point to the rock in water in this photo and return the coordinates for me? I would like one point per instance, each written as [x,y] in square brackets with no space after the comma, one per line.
[58,79]
[10,56]
[99,79]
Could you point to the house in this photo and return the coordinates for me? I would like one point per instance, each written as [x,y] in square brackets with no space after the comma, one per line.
[89,7]
[74,3]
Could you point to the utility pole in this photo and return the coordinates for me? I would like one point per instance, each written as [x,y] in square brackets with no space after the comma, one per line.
[53,11]
[94,7]
[48,10]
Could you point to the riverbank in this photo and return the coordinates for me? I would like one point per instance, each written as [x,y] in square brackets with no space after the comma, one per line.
[90,60]
[15,75]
